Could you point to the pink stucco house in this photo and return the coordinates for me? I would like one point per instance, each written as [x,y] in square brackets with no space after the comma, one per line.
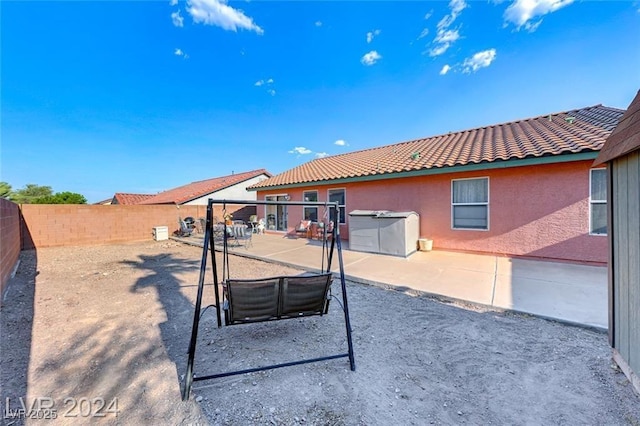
[523,188]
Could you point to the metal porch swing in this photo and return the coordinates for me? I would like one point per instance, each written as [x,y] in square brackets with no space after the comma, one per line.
[268,299]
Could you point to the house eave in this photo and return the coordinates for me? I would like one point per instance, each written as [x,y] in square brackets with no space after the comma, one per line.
[532,161]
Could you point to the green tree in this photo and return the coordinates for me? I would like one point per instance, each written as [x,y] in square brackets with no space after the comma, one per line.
[5,190]
[37,194]
[29,193]
[61,198]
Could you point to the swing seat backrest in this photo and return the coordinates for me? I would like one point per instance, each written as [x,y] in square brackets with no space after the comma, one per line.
[253,300]
[276,298]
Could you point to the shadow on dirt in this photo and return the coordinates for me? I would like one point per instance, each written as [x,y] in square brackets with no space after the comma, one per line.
[175,331]
[119,358]
[16,328]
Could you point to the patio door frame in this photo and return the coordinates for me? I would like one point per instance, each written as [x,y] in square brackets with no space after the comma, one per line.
[280,216]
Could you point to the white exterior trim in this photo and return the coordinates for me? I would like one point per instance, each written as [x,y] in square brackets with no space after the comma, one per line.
[473,204]
[595,202]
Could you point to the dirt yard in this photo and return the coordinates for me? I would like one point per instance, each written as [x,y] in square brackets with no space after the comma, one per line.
[100,335]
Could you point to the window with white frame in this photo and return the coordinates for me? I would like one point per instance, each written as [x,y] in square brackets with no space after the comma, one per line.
[338,196]
[470,203]
[309,212]
[598,202]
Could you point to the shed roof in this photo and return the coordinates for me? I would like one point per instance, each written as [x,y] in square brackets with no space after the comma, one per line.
[626,136]
[568,132]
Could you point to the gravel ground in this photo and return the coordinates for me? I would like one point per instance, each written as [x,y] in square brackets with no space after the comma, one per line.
[84,328]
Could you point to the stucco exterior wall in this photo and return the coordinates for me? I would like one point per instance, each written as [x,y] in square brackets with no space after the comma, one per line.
[537,211]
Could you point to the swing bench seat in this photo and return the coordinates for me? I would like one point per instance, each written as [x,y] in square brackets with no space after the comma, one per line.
[276,298]
[266,299]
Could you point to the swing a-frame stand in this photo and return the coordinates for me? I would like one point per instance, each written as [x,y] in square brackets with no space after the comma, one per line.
[268,299]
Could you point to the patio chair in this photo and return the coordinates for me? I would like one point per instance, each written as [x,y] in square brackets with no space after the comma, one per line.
[315,230]
[242,235]
[190,221]
[303,228]
[261,226]
[253,221]
[185,230]
[321,233]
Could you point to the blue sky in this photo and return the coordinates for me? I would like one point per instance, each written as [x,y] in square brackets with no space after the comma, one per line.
[143,96]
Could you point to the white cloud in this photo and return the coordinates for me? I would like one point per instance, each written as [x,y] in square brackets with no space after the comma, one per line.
[424,33]
[522,13]
[219,14]
[457,6]
[179,52]
[445,70]
[321,154]
[267,83]
[479,60]
[177,20]
[173,2]
[446,37]
[532,26]
[371,35]
[443,41]
[370,58]
[300,150]
[428,14]
[318,23]
[340,142]
[264,82]
[439,50]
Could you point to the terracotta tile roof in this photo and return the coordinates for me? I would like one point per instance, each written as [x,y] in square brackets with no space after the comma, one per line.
[551,134]
[626,137]
[185,193]
[128,199]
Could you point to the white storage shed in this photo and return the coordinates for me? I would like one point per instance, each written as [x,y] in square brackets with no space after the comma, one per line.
[384,232]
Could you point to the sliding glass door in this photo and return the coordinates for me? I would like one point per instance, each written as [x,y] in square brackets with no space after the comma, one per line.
[276,215]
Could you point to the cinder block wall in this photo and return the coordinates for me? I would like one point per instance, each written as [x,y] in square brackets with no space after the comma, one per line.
[48,225]
[9,240]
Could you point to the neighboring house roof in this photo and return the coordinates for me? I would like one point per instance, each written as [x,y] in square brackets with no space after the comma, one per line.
[626,136]
[185,193]
[574,131]
[104,202]
[129,199]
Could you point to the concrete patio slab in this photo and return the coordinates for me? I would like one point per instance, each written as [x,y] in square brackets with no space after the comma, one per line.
[561,291]
[569,292]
